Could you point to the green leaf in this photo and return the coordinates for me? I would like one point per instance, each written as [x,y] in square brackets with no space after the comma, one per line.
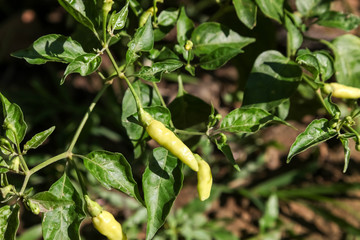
[345,143]
[38,139]
[246,11]
[142,41]
[339,20]
[80,10]
[136,7]
[273,79]
[312,8]
[248,120]
[218,57]
[331,107]
[189,112]
[47,201]
[184,27]
[5,104]
[318,62]
[294,36]
[84,64]
[52,47]
[271,214]
[168,17]
[347,59]
[162,181]
[163,54]
[210,36]
[309,62]
[154,73]
[135,132]
[9,221]
[14,124]
[117,20]
[63,222]
[226,150]
[316,132]
[112,170]
[272,8]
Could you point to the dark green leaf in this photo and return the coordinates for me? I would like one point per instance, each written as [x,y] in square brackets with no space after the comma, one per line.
[47,201]
[248,120]
[294,36]
[136,7]
[163,54]
[343,21]
[345,143]
[184,27]
[273,79]
[168,17]
[9,221]
[84,64]
[326,63]
[14,124]
[218,57]
[112,170]
[246,11]
[38,139]
[142,41]
[52,47]
[63,222]
[309,62]
[347,59]
[154,73]
[80,10]
[210,36]
[316,132]
[272,8]
[162,181]
[312,8]
[226,150]
[117,20]
[318,62]
[331,107]
[188,111]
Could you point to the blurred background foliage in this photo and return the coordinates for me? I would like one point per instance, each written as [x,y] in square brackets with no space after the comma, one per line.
[310,198]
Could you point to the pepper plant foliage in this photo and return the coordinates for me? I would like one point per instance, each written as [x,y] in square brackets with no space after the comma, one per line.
[274,78]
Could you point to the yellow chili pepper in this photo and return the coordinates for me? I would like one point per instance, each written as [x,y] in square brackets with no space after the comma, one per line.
[342,91]
[168,140]
[104,221]
[106,224]
[204,178]
[144,17]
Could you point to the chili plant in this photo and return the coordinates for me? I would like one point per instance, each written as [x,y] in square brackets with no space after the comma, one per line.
[145,58]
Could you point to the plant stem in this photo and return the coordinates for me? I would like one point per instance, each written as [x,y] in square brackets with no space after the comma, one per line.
[79,175]
[121,75]
[189,132]
[181,86]
[85,118]
[41,166]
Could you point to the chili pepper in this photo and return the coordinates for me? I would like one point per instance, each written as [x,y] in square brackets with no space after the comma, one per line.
[143,18]
[168,140]
[104,221]
[204,178]
[342,91]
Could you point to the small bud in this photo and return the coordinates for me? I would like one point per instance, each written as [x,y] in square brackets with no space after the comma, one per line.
[6,190]
[15,163]
[189,45]
[34,207]
[106,8]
